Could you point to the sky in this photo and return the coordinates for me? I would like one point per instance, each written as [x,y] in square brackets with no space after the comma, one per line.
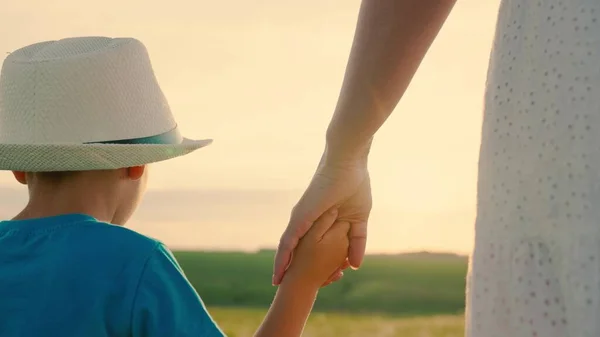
[262,78]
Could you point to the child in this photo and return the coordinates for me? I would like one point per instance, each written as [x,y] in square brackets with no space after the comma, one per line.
[80,119]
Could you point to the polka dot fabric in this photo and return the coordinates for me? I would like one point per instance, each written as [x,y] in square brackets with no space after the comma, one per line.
[535,270]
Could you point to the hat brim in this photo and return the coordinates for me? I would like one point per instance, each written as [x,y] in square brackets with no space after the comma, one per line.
[85,157]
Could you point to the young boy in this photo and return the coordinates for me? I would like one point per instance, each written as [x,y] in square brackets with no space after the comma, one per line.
[80,119]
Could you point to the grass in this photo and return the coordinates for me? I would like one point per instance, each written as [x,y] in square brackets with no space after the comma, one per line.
[243,323]
[415,295]
[417,284]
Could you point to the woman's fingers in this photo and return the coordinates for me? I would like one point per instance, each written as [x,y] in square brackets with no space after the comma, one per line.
[358,244]
[338,274]
[334,277]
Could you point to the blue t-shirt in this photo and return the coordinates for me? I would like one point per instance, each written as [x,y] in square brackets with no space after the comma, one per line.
[71,275]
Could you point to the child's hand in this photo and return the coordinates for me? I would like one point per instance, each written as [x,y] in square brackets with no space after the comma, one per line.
[320,252]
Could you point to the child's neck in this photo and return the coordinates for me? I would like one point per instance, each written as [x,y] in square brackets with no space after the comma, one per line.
[42,205]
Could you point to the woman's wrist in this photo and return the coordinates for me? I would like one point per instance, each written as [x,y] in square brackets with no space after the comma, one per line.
[350,133]
[339,154]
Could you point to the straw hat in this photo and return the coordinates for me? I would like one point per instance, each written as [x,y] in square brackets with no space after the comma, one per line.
[85,103]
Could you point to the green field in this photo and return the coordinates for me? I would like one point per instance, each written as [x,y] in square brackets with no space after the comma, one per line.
[397,295]
[243,323]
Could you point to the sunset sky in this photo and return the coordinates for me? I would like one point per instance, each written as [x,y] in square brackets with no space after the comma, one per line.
[261,78]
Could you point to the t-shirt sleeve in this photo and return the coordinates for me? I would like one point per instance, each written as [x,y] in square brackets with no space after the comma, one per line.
[166,304]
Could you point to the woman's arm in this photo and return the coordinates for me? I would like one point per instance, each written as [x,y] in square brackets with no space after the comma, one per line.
[391,39]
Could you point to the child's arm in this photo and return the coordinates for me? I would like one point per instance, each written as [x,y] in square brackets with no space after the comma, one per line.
[320,252]
[288,312]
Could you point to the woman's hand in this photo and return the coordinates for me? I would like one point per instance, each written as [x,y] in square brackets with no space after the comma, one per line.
[336,184]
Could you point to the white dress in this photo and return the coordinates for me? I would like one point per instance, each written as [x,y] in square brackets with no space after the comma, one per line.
[535,270]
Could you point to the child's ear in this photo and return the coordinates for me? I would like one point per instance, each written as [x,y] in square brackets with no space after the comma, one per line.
[135,172]
[20,176]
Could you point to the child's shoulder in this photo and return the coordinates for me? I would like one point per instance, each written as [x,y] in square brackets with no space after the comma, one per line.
[121,235]
[106,238]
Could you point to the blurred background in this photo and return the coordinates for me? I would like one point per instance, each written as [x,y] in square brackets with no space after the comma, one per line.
[262,78]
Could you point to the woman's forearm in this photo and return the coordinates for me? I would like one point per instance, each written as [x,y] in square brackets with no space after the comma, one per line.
[391,39]
[289,311]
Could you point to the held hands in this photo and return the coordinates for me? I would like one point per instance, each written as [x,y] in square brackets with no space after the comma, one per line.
[319,253]
[342,185]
